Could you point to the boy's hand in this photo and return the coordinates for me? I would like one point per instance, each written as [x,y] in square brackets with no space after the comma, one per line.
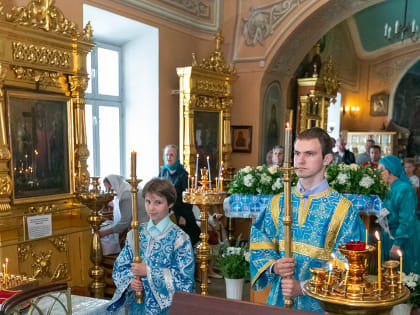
[139,269]
[137,285]
[182,221]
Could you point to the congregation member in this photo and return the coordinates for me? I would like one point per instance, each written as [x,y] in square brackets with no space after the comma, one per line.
[123,203]
[403,225]
[375,156]
[410,171]
[269,158]
[167,257]
[365,156]
[322,220]
[174,171]
[278,155]
[343,156]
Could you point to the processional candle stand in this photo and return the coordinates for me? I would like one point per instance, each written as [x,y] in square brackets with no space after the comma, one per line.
[203,196]
[95,199]
[135,224]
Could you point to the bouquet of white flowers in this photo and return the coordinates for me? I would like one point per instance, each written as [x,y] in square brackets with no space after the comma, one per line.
[258,180]
[233,262]
[354,179]
[412,282]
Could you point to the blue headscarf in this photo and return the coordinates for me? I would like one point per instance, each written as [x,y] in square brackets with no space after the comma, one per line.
[394,166]
[173,167]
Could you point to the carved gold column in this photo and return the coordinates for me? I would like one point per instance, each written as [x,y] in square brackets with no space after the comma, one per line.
[5,156]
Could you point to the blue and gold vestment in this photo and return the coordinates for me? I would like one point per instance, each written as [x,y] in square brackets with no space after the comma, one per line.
[170,267]
[326,221]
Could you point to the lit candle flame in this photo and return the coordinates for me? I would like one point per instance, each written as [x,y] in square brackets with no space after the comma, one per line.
[287,125]
[399,253]
[331,267]
[377,236]
[333,256]
[347,266]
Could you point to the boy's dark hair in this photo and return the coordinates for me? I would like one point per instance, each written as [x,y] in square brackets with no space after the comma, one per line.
[320,134]
[410,160]
[161,187]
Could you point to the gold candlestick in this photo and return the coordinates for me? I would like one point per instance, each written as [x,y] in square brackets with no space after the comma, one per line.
[95,200]
[204,197]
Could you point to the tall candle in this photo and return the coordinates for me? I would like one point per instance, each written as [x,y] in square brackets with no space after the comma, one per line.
[220,169]
[401,263]
[221,183]
[7,265]
[192,182]
[378,237]
[287,144]
[189,178]
[347,274]
[367,237]
[196,169]
[133,163]
[208,166]
[329,275]
[334,260]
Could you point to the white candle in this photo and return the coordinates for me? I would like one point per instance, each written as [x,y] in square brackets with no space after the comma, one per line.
[287,144]
[196,169]
[386,29]
[413,26]
[208,166]
[396,26]
[347,274]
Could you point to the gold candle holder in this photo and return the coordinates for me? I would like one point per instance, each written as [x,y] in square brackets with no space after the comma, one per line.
[95,200]
[288,218]
[204,197]
[135,224]
[358,295]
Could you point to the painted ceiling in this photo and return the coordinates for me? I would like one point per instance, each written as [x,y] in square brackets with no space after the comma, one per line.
[371,21]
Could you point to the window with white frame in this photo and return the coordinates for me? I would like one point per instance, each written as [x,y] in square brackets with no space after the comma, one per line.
[104,111]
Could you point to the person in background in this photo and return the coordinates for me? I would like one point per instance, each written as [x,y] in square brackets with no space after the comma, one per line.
[401,203]
[278,155]
[410,170]
[269,158]
[178,176]
[123,200]
[375,156]
[343,156]
[365,156]
[167,258]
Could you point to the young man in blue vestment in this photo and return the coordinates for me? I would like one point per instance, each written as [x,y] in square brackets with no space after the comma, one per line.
[167,257]
[322,220]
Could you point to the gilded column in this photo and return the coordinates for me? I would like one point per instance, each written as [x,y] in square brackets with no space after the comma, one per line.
[227,145]
[5,156]
[78,84]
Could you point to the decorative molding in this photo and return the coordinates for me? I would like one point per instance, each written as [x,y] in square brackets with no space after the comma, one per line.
[265,19]
[60,243]
[41,264]
[41,209]
[43,14]
[202,15]
[24,251]
[61,272]
[49,78]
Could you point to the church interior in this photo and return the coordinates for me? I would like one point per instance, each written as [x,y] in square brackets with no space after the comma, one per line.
[85,82]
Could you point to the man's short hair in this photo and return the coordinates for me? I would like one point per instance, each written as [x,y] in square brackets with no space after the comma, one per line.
[320,134]
[278,147]
[370,140]
[161,187]
[375,146]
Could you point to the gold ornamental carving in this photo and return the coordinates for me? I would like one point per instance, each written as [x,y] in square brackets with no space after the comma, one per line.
[35,54]
[49,78]
[206,87]
[24,251]
[41,264]
[61,272]
[40,209]
[43,14]
[60,243]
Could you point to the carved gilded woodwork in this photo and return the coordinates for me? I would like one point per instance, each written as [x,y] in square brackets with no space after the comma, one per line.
[60,243]
[41,264]
[205,87]
[61,272]
[315,95]
[24,251]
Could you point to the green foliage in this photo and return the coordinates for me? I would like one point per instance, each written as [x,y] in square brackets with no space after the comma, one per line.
[233,261]
[259,180]
[354,179]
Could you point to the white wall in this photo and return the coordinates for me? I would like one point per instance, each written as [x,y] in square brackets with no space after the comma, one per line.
[141,102]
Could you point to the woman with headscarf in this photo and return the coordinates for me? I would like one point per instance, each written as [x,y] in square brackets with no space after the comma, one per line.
[401,203]
[174,171]
[123,200]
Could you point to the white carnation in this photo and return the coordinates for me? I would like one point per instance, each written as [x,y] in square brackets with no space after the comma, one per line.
[342,178]
[366,181]
[354,166]
[277,184]
[259,168]
[247,169]
[247,255]
[265,179]
[249,180]
[259,190]
[273,169]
